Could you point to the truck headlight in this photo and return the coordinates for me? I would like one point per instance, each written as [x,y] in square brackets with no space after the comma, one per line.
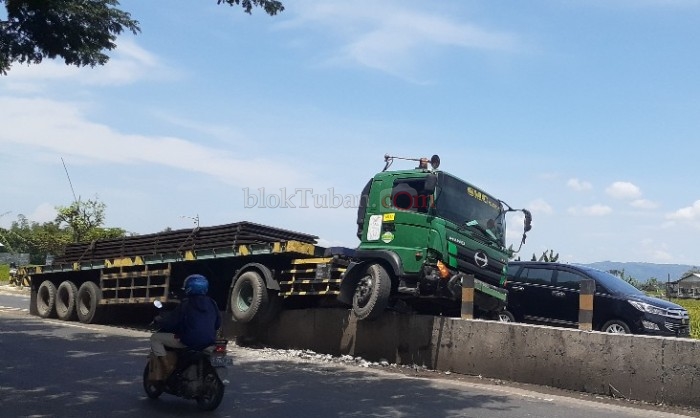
[645,307]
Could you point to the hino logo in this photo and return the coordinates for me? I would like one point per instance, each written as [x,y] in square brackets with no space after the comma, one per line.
[458,241]
[481,259]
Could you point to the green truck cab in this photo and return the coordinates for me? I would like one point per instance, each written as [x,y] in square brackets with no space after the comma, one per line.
[421,231]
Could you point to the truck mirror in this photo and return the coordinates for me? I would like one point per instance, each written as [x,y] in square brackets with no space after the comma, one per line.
[430,183]
[435,161]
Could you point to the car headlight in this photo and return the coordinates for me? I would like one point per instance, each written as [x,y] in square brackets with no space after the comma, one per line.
[645,307]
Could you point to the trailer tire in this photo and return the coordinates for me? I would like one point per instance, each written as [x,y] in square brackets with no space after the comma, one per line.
[372,293]
[66,295]
[270,311]
[87,303]
[46,299]
[249,297]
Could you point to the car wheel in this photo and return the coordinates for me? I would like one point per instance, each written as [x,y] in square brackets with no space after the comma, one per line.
[504,316]
[615,326]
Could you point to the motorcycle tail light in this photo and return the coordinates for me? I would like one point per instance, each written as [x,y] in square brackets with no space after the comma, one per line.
[220,346]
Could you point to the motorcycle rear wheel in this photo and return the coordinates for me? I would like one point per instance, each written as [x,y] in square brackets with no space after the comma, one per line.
[153,390]
[212,394]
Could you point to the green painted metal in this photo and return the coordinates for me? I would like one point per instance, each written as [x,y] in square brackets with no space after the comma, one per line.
[417,230]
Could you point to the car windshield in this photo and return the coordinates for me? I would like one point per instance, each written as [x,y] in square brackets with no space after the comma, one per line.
[468,206]
[613,284]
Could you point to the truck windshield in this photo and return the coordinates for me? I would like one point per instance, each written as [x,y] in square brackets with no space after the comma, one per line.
[467,206]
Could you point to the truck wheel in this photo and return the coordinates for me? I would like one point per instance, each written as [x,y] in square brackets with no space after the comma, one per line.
[87,303]
[271,310]
[372,293]
[248,297]
[46,299]
[66,295]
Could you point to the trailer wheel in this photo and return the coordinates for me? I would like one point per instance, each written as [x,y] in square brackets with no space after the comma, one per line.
[87,303]
[66,295]
[46,299]
[372,293]
[270,311]
[249,297]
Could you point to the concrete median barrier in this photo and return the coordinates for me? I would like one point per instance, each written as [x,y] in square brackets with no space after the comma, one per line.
[651,369]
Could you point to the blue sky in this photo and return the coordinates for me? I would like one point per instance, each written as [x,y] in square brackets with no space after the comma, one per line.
[585,112]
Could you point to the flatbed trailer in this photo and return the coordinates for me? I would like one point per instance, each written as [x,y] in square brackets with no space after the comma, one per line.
[98,281]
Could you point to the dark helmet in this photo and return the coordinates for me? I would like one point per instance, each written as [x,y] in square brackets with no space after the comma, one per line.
[196,284]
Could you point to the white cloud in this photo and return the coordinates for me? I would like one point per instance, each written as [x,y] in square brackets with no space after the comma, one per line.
[594,210]
[644,204]
[579,185]
[689,213]
[62,127]
[387,36]
[45,212]
[623,190]
[540,206]
[128,63]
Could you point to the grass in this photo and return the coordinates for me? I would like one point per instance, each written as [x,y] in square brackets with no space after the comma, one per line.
[4,274]
[693,307]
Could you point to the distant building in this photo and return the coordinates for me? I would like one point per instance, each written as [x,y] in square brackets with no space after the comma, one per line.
[687,286]
[19,259]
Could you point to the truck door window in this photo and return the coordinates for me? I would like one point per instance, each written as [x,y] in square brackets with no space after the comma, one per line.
[408,194]
[537,276]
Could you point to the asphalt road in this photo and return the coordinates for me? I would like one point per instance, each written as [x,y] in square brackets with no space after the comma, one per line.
[51,368]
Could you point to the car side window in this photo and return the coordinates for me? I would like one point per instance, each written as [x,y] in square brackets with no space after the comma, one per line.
[536,276]
[569,280]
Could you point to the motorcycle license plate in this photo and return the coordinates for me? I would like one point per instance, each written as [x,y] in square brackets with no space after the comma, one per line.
[221,361]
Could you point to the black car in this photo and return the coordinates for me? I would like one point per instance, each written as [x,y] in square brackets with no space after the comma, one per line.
[548,293]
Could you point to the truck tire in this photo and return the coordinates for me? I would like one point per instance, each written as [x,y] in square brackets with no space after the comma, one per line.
[66,295]
[271,310]
[87,303]
[372,293]
[46,299]
[248,297]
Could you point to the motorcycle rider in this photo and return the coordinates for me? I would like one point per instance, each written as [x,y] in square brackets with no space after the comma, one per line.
[194,324]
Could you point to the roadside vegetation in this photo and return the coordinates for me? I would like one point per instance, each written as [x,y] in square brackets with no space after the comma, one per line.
[693,307]
[4,274]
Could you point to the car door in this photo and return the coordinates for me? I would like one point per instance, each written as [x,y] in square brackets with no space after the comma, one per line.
[566,295]
[532,291]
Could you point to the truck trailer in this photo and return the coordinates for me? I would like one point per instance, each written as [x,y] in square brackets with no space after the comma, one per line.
[421,231]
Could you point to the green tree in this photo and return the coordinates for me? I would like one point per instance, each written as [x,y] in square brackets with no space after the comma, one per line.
[36,239]
[549,258]
[629,279]
[79,31]
[83,220]
[652,285]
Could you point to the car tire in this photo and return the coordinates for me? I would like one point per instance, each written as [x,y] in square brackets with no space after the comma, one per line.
[504,316]
[615,326]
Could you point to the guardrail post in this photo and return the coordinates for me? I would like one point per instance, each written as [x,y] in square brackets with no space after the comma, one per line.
[467,296]
[585,303]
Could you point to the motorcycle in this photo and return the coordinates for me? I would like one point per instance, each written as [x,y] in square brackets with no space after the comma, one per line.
[198,374]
